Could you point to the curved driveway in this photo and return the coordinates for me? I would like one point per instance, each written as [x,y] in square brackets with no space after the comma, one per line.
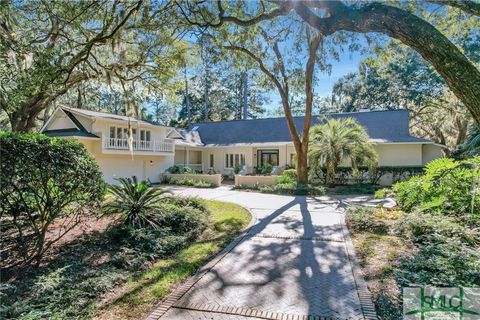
[295,262]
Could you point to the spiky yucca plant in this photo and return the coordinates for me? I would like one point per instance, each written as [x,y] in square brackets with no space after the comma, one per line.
[137,202]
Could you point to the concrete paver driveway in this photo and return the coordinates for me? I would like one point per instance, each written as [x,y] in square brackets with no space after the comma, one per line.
[294,263]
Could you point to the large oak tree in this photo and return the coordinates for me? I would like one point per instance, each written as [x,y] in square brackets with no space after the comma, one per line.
[49,49]
[330,17]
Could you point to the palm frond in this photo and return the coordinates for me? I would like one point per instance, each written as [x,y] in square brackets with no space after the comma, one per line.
[135,201]
[339,140]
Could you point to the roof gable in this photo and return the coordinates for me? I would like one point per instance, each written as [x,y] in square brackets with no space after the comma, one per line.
[60,120]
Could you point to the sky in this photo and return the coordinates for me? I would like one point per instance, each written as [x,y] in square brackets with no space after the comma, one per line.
[348,62]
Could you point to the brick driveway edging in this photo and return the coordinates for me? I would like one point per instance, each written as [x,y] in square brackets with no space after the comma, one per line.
[366,303]
[162,307]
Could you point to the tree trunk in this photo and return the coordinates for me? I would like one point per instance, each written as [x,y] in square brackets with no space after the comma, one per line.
[187,102]
[245,95]
[330,177]
[461,76]
[300,142]
[23,120]
[302,167]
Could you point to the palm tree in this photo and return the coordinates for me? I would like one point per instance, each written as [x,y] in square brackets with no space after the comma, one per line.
[136,202]
[337,141]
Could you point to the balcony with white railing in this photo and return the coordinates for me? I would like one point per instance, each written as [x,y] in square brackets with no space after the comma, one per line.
[163,145]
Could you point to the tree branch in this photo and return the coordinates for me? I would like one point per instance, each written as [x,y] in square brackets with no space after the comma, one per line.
[222,19]
[464,5]
[461,76]
[280,88]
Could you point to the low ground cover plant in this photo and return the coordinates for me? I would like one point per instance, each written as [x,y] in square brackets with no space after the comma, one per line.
[433,239]
[78,280]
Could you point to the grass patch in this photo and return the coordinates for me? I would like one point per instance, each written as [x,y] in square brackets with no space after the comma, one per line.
[142,291]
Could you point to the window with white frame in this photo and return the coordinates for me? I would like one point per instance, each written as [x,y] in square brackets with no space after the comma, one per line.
[118,133]
[122,133]
[233,159]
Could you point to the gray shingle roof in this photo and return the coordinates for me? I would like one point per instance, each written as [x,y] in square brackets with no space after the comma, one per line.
[189,138]
[69,133]
[382,126]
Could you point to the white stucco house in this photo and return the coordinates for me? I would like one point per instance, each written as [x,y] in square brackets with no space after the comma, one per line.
[219,146]
[105,137]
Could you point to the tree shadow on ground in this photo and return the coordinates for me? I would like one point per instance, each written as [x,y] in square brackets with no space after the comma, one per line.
[298,273]
[68,283]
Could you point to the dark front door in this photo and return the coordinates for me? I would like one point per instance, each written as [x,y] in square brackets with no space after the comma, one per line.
[269,156]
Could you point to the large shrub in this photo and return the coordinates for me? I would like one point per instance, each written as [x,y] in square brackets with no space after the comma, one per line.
[178,221]
[43,180]
[446,186]
[284,179]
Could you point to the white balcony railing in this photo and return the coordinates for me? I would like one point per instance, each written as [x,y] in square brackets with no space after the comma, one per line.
[165,145]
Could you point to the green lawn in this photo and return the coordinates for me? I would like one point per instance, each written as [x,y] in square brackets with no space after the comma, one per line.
[137,297]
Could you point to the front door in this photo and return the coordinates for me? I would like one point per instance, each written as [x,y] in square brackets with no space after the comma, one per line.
[267,156]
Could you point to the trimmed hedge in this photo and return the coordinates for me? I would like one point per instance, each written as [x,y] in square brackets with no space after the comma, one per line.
[366,175]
